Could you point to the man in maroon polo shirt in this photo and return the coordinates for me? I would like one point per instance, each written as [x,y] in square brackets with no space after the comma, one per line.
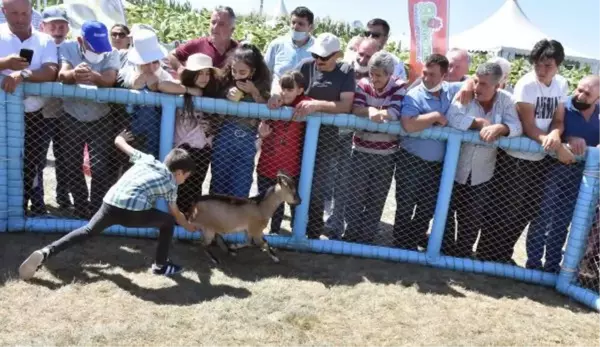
[217,45]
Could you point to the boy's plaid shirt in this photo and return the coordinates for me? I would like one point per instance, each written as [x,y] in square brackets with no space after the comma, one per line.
[140,186]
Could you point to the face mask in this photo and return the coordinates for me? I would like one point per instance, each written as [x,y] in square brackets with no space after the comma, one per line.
[581,106]
[93,58]
[299,35]
[434,89]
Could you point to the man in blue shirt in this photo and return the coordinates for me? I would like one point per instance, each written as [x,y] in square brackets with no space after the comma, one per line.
[287,51]
[581,129]
[419,161]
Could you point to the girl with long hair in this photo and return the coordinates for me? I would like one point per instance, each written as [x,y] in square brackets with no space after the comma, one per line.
[193,128]
[246,78]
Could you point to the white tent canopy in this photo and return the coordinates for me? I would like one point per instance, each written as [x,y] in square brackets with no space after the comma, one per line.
[279,11]
[508,32]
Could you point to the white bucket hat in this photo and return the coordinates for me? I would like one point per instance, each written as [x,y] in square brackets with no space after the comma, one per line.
[199,61]
[146,48]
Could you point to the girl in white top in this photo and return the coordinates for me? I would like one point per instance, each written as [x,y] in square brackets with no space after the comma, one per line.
[193,128]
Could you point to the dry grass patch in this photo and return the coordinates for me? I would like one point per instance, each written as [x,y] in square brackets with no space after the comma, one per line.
[103,294]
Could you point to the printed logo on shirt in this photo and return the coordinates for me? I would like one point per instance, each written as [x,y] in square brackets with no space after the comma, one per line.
[545,107]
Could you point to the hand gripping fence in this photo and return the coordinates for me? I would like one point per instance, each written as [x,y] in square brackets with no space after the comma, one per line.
[380,204]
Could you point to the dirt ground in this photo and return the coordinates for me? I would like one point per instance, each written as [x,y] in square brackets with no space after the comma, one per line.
[102,293]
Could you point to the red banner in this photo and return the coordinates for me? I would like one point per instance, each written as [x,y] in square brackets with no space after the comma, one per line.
[429,31]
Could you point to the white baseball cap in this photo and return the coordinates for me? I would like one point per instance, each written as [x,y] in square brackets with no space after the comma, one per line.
[325,44]
[146,48]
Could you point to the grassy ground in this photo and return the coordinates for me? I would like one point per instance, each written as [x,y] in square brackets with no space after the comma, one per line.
[101,293]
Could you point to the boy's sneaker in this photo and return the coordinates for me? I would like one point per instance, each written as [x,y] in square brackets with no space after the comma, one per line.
[168,269]
[32,264]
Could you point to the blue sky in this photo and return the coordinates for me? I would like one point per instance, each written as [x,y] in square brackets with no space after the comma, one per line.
[575,23]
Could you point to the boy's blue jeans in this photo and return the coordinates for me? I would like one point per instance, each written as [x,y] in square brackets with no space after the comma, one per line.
[549,229]
[233,155]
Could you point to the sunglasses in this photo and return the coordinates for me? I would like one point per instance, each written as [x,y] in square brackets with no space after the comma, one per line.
[118,35]
[318,57]
[372,34]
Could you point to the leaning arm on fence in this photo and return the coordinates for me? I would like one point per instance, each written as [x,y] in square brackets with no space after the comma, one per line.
[557,127]
[412,120]
[108,76]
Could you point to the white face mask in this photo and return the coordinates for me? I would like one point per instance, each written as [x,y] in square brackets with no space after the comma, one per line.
[299,35]
[434,89]
[93,58]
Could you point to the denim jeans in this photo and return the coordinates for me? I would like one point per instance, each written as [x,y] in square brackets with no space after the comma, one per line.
[233,155]
[145,126]
[417,183]
[549,229]
[264,183]
[368,180]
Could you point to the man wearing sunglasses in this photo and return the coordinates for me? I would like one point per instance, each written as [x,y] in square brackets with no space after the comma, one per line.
[379,29]
[331,84]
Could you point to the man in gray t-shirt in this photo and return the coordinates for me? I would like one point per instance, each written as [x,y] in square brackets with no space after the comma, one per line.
[332,85]
[89,61]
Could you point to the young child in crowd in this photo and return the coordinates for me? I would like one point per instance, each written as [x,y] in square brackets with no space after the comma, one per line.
[246,78]
[281,143]
[194,130]
[129,203]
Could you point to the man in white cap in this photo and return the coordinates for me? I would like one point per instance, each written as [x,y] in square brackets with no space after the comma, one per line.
[331,85]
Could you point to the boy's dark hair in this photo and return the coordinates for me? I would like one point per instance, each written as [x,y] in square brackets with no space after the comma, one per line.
[304,12]
[291,79]
[382,22]
[547,49]
[179,159]
[438,59]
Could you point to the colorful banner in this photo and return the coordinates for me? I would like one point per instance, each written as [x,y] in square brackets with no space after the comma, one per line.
[109,12]
[429,31]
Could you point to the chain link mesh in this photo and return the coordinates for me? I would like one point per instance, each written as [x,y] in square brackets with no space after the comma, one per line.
[360,193]
[589,267]
[69,165]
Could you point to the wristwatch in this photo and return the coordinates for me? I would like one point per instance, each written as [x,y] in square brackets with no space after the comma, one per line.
[25,74]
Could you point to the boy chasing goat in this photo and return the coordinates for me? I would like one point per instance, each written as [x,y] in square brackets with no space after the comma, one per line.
[129,202]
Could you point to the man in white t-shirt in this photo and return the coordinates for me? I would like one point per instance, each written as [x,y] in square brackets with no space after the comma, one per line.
[540,96]
[16,34]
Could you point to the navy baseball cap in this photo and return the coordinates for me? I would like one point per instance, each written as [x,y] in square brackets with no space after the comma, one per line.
[96,35]
[53,13]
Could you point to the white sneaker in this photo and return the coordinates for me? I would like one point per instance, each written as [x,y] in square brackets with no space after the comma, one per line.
[32,264]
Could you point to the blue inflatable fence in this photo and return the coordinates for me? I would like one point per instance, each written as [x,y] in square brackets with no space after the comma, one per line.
[12,216]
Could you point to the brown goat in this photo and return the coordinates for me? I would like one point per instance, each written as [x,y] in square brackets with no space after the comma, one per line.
[220,214]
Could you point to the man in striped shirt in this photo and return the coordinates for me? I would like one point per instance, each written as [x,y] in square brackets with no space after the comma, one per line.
[130,203]
[372,164]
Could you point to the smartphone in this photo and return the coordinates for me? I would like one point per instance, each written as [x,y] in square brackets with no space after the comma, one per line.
[27,54]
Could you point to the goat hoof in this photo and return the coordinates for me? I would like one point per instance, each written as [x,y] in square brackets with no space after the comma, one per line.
[275,259]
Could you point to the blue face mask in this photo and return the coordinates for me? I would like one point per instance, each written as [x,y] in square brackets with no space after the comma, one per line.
[299,35]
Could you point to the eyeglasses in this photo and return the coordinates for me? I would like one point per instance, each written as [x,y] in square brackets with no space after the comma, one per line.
[119,35]
[372,34]
[318,57]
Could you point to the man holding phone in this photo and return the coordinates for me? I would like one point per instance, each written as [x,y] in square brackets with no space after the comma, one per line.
[27,55]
